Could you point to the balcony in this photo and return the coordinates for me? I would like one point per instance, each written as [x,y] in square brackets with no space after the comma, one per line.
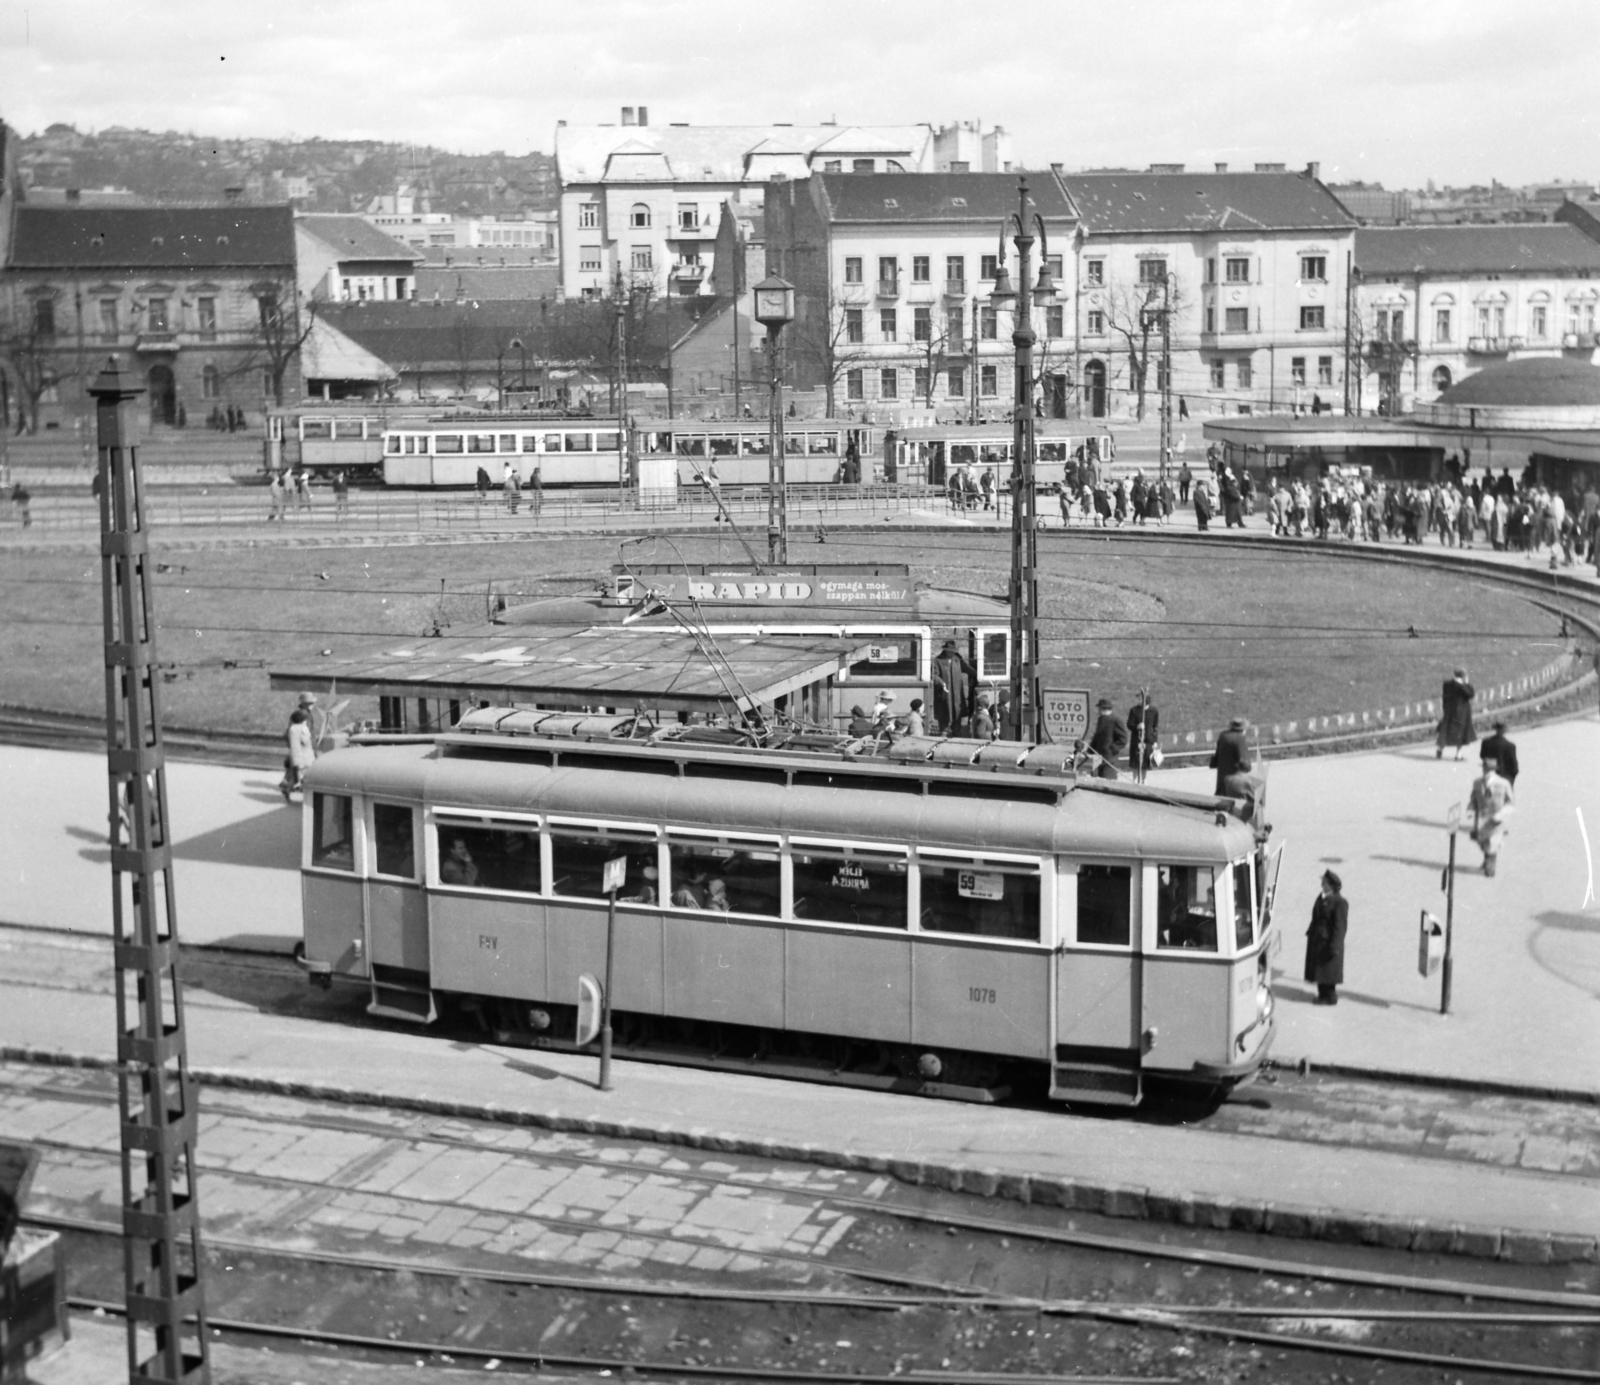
[1488,346]
[955,288]
[689,273]
[888,288]
[156,341]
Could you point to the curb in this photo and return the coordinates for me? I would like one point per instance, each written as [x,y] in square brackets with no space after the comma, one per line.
[1526,1091]
[1288,1220]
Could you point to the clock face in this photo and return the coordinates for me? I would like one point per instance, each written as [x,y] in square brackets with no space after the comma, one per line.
[769,304]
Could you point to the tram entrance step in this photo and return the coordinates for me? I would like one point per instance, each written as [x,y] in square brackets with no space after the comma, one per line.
[1107,1083]
[401,1002]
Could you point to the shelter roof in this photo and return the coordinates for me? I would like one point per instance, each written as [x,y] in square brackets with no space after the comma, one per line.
[355,238]
[982,197]
[1529,248]
[1193,203]
[79,237]
[328,354]
[579,667]
[1537,382]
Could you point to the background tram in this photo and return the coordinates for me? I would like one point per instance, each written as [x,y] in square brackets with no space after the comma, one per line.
[945,917]
[927,455]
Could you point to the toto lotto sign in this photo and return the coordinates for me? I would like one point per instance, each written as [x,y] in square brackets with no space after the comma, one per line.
[1066,714]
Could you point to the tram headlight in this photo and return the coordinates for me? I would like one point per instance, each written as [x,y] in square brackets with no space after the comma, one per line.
[1263,999]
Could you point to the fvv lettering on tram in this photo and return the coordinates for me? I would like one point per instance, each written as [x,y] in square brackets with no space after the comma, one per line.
[980,884]
[488,942]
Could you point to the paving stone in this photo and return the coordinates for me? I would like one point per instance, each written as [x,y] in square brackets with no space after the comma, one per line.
[1526,1248]
[1484,1245]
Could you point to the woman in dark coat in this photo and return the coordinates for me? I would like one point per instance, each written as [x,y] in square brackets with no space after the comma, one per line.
[1455,726]
[1325,940]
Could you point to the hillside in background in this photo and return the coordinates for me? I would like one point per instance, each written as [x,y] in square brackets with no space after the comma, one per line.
[318,174]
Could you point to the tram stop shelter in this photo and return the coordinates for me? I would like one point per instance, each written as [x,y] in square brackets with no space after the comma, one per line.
[425,684]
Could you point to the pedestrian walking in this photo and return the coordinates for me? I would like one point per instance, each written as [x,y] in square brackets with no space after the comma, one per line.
[483,484]
[302,490]
[1502,751]
[1231,759]
[512,485]
[275,498]
[1492,802]
[1110,739]
[1202,505]
[1455,726]
[1183,407]
[1330,916]
[300,744]
[1185,480]
[22,501]
[536,491]
[1144,735]
[341,497]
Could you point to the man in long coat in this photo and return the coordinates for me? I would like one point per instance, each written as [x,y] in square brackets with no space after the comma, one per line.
[952,688]
[1455,726]
[1503,751]
[1110,739]
[1231,758]
[1330,915]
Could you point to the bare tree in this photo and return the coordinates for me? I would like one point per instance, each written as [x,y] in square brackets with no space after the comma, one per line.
[1133,312]
[821,345]
[28,348]
[933,352]
[281,328]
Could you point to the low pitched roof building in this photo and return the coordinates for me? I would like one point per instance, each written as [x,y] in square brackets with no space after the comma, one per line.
[347,259]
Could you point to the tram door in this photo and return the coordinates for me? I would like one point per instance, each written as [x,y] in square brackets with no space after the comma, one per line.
[1099,982]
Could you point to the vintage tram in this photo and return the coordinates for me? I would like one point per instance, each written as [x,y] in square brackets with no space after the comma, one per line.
[943,916]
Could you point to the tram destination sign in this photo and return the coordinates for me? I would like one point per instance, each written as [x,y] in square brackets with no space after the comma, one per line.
[1066,714]
[838,587]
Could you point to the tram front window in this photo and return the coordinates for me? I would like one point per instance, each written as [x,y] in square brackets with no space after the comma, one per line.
[490,858]
[1186,908]
[726,875]
[332,836]
[1104,894]
[1243,914]
[981,898]
[578,858]
[848,886]
[391,836]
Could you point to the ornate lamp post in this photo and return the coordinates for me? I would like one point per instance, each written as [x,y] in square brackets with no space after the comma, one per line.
[1023,718]
[774,310]
[522,351]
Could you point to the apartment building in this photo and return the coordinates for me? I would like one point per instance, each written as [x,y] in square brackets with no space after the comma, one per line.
[1437,303]
[1251,268]
[345,259]
[894,275]
[646,201]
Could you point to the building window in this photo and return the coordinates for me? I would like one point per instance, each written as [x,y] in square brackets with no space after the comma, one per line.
[861,165]
[1053,264]
[1095,325]
[1236,269]
[921,376]
[588,216]
[1314,268]
[156,315]
[1211,270]
[1312,316]
[888,274]
[887,323]
[1297,370]
[1246,375]
[955,325]
[1236,320]
[989,322]
[1499,323]
[1217,380]
[1324,370]
[1539,323]
[922,324]
[1055,321]
[852,269]
[206,316]
[988,266]
[834,166]
[853,330]
[44,317]
[1154,271]
[688,217]
[642,258]
[108,319]
[639,217]
[1441,324]
[1573,317]
[955,273]
[1211,318]
[854,384]
[921,269]
[210,383]
[1094,273]
[956,381]
[989,381]
[889,383]
[1483,321]
[1441,378]
[589,259]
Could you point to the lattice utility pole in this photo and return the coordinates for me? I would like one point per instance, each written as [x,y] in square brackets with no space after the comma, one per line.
[157,1097]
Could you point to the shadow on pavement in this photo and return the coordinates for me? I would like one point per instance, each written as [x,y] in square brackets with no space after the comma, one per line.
[1414,861]
[270,841]
[1308,996]
[1437,823]
[273,944]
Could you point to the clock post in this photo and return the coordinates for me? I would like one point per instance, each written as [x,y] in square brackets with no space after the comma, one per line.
[774,310]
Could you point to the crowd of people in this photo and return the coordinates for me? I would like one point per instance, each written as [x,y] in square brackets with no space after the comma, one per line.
[288,489]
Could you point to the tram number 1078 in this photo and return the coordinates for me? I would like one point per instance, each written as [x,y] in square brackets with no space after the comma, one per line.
[980,995]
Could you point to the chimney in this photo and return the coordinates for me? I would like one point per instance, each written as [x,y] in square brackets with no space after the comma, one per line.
[232,195]
[74,195]
[627,115]
[644,115]
[1314,170]
[1221,168]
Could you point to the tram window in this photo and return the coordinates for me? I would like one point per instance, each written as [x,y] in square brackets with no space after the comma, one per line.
[1052,452]
[1243,914]
[691,446]
[723,445]
[579,442]
[1105,894]
[725,875]
[1186,908]
[448,443]
[552,442]
[489,857]
[332,837]
[414,445]
[608,442]
[530,442]
[316,428]
[756,445]
[982,898]
[391,839]
[849,886]
[822,444]
[992,660]
[391,444]
[963,454]
[896,657]
[578,857]
[508,442]
[480,442]
[794,444]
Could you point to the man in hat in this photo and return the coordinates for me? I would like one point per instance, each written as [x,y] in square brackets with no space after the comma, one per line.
[1110,739]
[1144,734]
[860,722]
[1491,803]
[1330,915]
[952,683]
[1502,751]
[882,710]
[1455,726]
[1231,758]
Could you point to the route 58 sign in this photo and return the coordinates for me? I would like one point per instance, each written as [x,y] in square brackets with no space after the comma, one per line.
[1066,713]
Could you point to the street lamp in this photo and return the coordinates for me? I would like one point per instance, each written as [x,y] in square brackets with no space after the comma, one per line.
[774,310]
[1024,714]
[522,351]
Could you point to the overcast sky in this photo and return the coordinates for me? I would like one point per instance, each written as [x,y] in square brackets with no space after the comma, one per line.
[1396,91]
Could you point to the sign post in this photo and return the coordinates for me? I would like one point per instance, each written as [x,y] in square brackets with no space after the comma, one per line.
[1065,714]
[1448,884]
[616,871]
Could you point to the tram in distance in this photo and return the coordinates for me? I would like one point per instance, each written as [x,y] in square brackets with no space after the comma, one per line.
[955,918]
[927,455]
[590,452]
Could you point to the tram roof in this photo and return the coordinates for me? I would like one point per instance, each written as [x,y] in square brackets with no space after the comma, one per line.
[1001,431]
[579,667]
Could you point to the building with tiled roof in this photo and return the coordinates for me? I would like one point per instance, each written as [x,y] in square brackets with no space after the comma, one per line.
[1251,267]
[176,294]
[347,259]
[1435,304]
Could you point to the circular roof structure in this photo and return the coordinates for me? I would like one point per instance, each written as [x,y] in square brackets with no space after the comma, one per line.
[1538,382]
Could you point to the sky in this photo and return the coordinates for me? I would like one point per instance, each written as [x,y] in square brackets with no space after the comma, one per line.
[1392,91]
